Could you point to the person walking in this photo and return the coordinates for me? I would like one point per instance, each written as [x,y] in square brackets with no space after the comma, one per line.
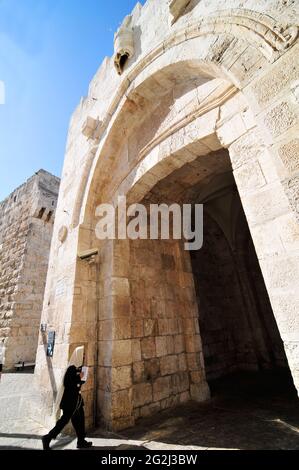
[2,356]
[72,405]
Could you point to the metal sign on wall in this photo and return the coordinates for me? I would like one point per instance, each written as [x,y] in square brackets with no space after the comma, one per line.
[51,343]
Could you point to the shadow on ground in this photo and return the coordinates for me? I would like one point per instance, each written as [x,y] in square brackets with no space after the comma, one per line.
[246,411]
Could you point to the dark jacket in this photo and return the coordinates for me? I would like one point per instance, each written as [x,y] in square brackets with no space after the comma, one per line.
[72,385]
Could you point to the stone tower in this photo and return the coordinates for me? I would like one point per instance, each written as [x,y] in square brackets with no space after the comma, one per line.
[26,224]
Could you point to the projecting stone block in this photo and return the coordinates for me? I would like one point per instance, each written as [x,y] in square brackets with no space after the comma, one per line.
[89,127]
[123,44]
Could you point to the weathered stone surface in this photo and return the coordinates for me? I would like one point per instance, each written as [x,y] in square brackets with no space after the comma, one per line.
[161,388]
[121,404]
[216,78]
[142,394]
[280,118]
[289,153]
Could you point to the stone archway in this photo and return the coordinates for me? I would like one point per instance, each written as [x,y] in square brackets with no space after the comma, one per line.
[188,94]
[179,341]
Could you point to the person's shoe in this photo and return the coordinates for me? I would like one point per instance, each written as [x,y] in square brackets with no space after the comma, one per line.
[84,445]
[46,442]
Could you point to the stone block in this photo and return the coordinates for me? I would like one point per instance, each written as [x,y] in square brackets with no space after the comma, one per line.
[278,78]
[148,348]
[118,286]
[230,131]
[182,366]
[137,329]
[200,391]
[151,369]
[122,328]
[249,177]
[120,423]
[149,410]
[281,273]
[180,382]
[285,309]
[164,345]
[265,204]
[289,154]
[247,148]
[121,404]
[185,397]
[168,365]
[138,372]
[280,118]
[121,353]
[161,388]
[105,353]
[287,227]
[121,378]
[142,394]
[179,344]
[136,350]
[193,343]
[193,361]
[150,327]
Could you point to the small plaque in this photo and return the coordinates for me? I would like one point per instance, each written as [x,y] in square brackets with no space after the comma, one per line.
[51,343]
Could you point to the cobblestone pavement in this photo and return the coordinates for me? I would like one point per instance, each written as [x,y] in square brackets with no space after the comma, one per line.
[246,412]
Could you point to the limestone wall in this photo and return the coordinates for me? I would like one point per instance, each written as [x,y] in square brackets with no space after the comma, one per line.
[26,223]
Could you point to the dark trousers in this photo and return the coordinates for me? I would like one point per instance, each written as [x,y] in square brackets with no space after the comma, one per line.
[78,421]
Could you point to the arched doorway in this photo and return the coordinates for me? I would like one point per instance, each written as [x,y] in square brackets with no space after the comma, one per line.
[184,98]
[202,314]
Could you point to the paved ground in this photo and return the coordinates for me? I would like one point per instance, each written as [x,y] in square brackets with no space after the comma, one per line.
[246,412]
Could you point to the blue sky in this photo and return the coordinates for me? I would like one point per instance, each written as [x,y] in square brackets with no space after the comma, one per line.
[49,51]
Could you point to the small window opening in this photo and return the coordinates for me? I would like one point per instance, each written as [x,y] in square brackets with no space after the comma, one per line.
[41,212]
[49,216]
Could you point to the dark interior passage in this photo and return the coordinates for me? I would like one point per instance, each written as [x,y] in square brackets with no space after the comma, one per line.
[237,325]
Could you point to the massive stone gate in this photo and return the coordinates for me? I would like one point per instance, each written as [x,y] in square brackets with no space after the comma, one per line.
[199,104]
